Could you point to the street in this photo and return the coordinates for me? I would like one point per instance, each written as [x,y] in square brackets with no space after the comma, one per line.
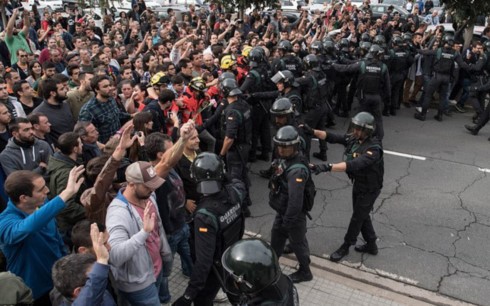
[432,218]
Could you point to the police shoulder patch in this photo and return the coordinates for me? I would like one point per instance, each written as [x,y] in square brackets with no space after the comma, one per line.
[369,152]
[230,118]
[299,180]
[203,230]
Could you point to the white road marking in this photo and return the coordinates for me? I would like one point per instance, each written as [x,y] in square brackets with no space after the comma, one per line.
[404,155]
[252,234]
[484,170]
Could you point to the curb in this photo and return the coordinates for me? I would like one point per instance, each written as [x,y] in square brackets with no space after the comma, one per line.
[372,283]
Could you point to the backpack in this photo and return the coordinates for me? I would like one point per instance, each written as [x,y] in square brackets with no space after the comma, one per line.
[310,188]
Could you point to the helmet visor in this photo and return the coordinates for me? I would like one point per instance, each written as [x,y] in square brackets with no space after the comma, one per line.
[278,77]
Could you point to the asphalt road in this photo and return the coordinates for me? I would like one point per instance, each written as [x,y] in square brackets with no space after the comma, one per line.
[432,217]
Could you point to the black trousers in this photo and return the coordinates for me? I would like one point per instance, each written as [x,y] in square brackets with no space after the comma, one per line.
[317,118]
[236,163]
[439,83]
[261,128]
[360,222]
[297,238]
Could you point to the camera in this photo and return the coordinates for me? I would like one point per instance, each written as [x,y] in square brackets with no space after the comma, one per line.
[20,9]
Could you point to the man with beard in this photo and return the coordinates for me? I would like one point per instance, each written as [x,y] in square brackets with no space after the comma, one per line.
[22,66]
[54,107]
[139,247]
[14,107]
[60,165]
[102,109]
[24,151]
[77,98]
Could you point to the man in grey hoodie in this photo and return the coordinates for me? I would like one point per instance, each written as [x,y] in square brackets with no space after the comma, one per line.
[24,151]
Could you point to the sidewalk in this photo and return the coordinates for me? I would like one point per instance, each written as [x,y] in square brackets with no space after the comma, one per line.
[337,284]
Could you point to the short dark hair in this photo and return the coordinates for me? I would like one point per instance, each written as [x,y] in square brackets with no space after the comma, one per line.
[20,183]
[177,79]
[18,86]
[34,117]
[154,144]
[183,63]
[68,141]
[72,67]
[81,128]
[14,124]
[70,272]
[80,234]
[48,65]
[48,86]
[61,78]
[97,79]
[166,95]
[94,167]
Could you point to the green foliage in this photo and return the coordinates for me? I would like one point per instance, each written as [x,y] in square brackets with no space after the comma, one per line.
[465,10]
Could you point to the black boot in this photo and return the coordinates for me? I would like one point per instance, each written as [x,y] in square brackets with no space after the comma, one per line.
[246,211]
[322,155]
[473,129]
[393,111]
[370,248]
[386,112]
[302,275]
[419,116]
[266,173]
[340,253]
[438,117]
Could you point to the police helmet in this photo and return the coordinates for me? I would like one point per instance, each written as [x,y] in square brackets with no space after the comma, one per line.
[407,37]
[317,46]
[448,39]
[365,46]
[365,37]
[197,84]
[329,46]
[285,45]
[208,171]
[286,136]
[226,75]
[229,88]
[375,51]
[227,62]
[363,121]
[397,41]
[256,56]
[379,40]
[344,45]
[486,44]
[251,265]
[286,77]
[311,62]
[282,107]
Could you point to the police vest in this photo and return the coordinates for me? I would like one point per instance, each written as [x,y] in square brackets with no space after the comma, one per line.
[293,64]
[226,216]
[370,77]
[398,61]
[243,112]
[444,61]
[367,179]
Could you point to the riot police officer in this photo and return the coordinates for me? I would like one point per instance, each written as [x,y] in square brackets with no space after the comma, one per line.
[314,85]
[218,223]
[399,63]
[287,189]
[283,113]
[254,83]
[288,60]
[237,133]
[443,67]
[365,167]
[252,273]
[374,79]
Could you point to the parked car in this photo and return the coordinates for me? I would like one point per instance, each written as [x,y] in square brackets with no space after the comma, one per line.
[50,5]
[380,9]
[449,28]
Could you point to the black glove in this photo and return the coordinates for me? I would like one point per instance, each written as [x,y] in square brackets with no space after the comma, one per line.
[245,96]
[307,129]
[473,88]
[182,301]
[317,169]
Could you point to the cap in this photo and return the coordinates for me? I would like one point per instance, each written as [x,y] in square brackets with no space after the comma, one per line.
[143,173]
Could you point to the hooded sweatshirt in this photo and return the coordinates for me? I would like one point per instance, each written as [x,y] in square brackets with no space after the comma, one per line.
[15,157]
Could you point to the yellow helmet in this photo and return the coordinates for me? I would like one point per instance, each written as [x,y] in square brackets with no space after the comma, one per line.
[158,79]
[227,62]
[246,51]
[197,84]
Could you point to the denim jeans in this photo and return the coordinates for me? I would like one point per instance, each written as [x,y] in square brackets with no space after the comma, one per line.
[179,242]
[162,282]
[144,297]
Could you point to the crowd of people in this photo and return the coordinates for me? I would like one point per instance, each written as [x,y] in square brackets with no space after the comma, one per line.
[126,144]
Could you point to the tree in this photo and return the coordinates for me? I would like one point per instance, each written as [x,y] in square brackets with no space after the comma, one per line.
[465,14]
[242,5]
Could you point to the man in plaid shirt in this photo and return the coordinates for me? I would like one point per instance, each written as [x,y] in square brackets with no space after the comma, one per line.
[102,110]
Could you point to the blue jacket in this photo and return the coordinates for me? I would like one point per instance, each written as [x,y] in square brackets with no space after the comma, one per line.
[32,244]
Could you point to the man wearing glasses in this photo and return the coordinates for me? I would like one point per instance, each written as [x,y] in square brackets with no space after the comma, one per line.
[21,66]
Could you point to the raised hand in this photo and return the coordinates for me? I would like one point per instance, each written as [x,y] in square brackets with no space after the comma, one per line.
[148,219]
[98,244]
